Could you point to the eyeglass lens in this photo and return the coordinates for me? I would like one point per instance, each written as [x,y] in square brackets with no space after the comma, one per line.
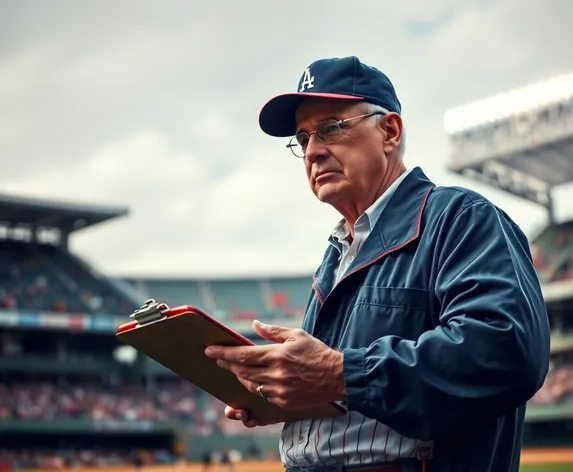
[327,132]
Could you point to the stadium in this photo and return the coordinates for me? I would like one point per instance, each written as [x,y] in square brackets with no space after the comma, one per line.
[72,396]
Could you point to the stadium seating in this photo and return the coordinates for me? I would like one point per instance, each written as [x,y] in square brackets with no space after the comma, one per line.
[94,401]
[172,291]
[558,386]
[234,299]
[29,459]
[552,252]
[42,277]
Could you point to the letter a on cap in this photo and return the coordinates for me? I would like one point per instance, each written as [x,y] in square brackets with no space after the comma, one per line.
[307,80]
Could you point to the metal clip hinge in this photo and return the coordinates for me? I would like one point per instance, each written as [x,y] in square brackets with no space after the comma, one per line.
[150,311]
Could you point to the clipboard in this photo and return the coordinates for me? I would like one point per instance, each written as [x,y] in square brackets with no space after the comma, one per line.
[177,337]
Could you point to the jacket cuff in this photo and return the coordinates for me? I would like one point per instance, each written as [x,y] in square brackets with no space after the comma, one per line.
[354,370]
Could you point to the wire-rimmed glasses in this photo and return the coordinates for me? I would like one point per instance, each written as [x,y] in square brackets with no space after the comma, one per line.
[327,132]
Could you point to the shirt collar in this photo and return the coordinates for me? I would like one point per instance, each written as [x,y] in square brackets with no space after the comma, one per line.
[341,232]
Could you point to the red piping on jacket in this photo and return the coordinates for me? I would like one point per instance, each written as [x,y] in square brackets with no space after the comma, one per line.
[314,287]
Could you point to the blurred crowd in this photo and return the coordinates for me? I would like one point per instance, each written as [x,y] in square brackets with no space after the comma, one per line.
[553,253]
[198,412]
[47,279]
[72,458]
[179,401]
[558,386]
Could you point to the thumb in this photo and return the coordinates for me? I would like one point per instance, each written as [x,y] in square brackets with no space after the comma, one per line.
[272,332]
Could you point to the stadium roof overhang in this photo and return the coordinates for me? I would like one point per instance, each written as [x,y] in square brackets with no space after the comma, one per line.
[520,141]
[68,217]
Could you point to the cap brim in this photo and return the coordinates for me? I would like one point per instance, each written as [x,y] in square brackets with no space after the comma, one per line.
[277,117]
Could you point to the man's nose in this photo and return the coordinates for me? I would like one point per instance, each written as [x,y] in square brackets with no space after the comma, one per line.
[315,149]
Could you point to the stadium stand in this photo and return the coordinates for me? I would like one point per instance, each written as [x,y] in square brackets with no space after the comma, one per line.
[60,382]
[69,392]
[558,386]
[232,299]
[37,277]
[553,253]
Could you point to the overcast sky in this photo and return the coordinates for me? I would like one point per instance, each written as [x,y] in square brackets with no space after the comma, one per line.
[154,105]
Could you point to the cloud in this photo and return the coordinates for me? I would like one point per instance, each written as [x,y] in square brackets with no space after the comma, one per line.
[156,107]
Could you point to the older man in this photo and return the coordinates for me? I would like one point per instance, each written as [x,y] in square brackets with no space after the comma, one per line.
[425,319]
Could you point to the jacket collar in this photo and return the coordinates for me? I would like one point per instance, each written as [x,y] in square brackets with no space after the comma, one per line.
[400,221]
[398,225]
[368,220]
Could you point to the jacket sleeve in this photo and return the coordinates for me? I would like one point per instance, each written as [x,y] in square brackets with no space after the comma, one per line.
[489,352]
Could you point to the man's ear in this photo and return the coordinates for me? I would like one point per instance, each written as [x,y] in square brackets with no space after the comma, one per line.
[393,128]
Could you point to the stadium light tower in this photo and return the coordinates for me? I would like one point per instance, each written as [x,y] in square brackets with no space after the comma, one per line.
[520,141]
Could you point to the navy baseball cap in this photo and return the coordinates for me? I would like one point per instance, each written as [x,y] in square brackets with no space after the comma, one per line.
[344,78]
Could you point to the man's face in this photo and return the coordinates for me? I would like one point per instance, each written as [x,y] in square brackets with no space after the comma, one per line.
[351,170]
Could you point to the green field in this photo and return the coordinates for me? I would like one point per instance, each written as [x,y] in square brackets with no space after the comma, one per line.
[546,468]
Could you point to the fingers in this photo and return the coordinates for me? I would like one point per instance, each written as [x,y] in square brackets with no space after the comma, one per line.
[255,374]
[268,390]
[274,333]
[244,355]
[241,415]
[234,414]
[251,423]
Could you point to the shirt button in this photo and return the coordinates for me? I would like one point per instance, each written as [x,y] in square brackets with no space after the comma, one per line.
[350,259]
[300,439]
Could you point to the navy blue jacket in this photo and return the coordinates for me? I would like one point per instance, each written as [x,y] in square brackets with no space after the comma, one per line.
[442,324]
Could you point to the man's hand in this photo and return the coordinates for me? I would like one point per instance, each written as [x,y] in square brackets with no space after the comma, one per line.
[298,371]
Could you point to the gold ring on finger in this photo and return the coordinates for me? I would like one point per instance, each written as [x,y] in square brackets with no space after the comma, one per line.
[260,391]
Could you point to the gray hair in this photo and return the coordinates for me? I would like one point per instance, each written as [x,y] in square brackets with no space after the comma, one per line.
[371,108]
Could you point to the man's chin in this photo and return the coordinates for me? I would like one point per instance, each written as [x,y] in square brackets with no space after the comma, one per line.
[329,193]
